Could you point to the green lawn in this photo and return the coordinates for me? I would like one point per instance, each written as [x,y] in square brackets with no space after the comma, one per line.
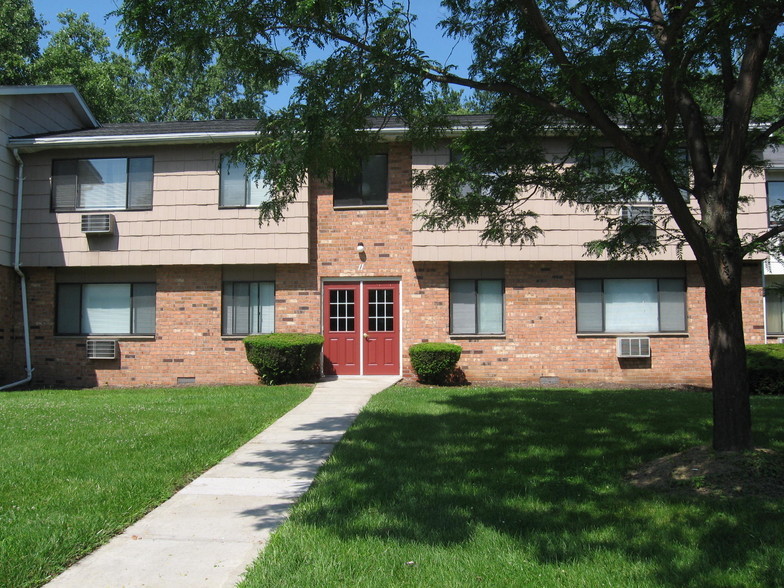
[76,467]
[504,487]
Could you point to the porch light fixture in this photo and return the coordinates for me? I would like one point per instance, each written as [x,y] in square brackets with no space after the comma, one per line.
[360,247]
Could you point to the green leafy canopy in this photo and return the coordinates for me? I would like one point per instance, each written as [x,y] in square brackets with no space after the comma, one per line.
[683,96]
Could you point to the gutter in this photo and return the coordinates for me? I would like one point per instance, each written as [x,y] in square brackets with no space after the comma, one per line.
[23,281]
[32,144]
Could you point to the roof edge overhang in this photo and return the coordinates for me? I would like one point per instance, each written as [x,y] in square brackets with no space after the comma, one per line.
[69,93]
[32,144]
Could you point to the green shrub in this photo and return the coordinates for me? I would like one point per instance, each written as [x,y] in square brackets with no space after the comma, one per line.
[434,363]
[766,368]
[280,358]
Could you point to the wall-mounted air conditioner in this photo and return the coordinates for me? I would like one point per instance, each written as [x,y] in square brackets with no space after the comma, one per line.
[634,346]
[101,349]
[98,224]
[640,217]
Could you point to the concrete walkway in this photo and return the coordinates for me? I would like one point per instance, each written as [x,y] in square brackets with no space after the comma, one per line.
[211,530]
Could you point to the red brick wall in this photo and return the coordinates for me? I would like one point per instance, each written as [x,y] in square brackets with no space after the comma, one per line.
[187,344]
[541,339]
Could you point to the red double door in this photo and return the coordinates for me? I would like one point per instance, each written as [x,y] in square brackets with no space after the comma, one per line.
[362,328]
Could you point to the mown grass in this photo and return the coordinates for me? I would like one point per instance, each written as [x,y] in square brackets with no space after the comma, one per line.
[502,487]
[78,466]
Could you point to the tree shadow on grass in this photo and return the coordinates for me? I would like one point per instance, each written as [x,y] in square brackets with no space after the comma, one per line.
[544,469]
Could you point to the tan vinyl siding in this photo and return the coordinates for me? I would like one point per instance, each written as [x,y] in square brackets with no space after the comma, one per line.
[24,115]
[184,227]
[565,228]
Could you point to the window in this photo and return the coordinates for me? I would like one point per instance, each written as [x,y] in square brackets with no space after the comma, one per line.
[118,183]
[476,307]
[638,305]
[237,189]
[248,308]
[367,188]
[774,310]
[637,224]
[106,309]
[774,182]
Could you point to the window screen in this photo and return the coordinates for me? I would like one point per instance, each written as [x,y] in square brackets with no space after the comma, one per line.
[367,188]
[106,309]
[248,308]
[102,183]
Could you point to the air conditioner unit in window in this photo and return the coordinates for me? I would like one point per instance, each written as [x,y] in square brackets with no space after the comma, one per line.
[634,346]
[98,224]
[101,349]
[639,220]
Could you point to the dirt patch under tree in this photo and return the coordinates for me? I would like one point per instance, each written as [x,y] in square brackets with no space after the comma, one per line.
[700,470]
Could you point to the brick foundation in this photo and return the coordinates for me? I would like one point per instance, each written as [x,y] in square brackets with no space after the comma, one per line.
[8,294]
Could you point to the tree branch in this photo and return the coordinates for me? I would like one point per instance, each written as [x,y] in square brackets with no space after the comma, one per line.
[763,238]
[429,71]
[762,138]
[593,109]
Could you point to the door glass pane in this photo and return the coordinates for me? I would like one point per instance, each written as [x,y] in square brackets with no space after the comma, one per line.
[341,311]
[381,310]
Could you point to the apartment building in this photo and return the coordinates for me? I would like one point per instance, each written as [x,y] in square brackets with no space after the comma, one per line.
[145,264]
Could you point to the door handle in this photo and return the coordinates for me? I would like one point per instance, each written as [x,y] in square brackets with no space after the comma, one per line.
[365,335]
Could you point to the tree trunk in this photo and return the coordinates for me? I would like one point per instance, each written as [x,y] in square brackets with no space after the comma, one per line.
[731,409]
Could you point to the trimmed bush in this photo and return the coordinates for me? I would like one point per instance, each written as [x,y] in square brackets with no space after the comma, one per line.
[434,363]
[280,358]
[766,368]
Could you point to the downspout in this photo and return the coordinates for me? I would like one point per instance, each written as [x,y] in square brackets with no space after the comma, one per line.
[18,270]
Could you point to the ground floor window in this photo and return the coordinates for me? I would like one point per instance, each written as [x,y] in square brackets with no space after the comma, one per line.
[638,305]
[248,308]
[774,310]
[476,306]
[106,309]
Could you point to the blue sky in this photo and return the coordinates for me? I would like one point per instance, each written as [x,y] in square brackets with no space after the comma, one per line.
[429,12]
[429,36]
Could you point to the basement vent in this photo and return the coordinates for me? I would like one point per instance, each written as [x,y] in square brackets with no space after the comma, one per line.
[101,349]
[98,224]
[634,346]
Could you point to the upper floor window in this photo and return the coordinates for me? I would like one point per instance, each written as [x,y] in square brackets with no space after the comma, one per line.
[237,188]
[774,181]
[636,305]
[106,309]
[367,188]
[117,183]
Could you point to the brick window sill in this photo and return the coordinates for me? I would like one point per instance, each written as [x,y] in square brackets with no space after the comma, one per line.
[478,336]
[613,335]
[113,337]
